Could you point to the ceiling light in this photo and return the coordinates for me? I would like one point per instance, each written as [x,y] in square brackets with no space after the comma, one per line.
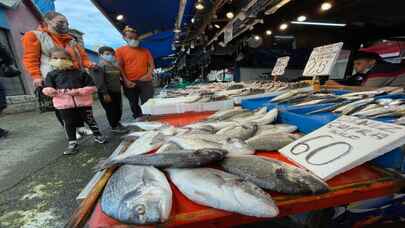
[183,48]
[256,37]
[120,17]
[199,5]
[283,26]
[192,45]
[217,26]
[230,15]
[326,6]
[318,23]
[192,20]
[176,30]
[302,18]
[268,32]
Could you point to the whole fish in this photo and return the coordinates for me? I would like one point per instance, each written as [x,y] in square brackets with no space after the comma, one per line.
[268,118]
[171,159]
[376,111]
[284,96]
[167,147]
[148,142]
[147,126]
[276,129]
[271,142]
[137,195]
[241,115]
[274,175]
[329,108]
[239,131]
[221,190]
[188,143]
[237,147]
[353,107]
[225,114]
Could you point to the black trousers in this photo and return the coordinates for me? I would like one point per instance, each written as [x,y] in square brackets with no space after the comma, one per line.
[113,109]
[143,90]
[74,116]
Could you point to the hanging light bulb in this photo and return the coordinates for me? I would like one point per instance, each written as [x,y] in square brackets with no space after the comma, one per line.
[283,26]
[183,49]
[326,6]
[199,5]
[302,18]
[217,26]
[257,37]
[192,45]
[230,15]
[120,17]
[269,32]
[193,20]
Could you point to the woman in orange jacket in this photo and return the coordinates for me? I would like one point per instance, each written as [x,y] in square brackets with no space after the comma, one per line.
[54,32]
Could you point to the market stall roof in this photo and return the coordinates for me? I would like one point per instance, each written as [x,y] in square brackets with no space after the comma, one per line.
[158,17]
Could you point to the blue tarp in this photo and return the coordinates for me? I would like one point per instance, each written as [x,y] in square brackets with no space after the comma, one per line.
[148,16]
[3,18]
[45,6]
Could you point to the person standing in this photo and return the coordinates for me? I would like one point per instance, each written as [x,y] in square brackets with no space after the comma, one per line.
[108,81]
[8,70]
[71,90]
[136,65]
[37,46]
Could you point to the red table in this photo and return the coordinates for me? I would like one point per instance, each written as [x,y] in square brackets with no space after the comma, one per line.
[363,182]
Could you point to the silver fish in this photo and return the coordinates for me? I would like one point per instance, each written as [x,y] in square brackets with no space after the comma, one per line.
[147,126]
[171,159]
[275,129]
[376,111]
[167,147]
[353,107]
[239,131]
[148,142]
[271,142]
[221,190]
[274,175]
[268,118]
[193,143]
[237,147]
[225,114]
[137,195]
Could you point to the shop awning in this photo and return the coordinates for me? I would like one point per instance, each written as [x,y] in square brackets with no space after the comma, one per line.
[148,16]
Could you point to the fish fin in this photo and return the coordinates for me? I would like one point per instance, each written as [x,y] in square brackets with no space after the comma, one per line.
[104,164]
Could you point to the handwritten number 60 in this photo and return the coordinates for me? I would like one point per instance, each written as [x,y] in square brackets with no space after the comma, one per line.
[312,153]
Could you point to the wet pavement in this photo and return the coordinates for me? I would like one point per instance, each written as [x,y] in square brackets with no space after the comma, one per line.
[39,184]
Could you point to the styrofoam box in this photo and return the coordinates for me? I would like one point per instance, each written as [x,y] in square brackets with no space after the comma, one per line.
[151,109]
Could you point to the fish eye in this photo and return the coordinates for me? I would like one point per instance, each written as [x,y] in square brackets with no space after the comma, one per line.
[140,209]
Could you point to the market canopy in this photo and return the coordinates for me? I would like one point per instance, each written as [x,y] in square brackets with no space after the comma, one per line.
[158,17]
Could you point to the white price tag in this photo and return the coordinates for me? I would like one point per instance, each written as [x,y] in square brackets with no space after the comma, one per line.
[344,144]
[322,60]
[281,65]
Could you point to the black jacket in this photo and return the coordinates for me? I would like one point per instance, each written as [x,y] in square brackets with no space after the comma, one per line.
[68,79]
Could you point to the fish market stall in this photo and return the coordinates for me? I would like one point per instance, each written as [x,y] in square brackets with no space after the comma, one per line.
[360,183]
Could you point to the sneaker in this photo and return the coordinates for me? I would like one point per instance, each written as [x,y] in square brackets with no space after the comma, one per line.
[119,129]
[3,133]
[83,131]
[73,148]
[100,139]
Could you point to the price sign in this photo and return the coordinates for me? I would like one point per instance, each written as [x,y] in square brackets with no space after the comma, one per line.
[344,144]
[281,65]
[322,60]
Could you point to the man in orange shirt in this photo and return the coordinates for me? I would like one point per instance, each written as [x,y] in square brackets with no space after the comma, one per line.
[137,66]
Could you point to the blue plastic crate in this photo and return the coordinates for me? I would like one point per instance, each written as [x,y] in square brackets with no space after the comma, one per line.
[255,103]
[308,123]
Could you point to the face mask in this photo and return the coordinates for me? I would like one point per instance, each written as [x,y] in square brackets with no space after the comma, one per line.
[61,64]
[109,58]
[133,43]
[61,27]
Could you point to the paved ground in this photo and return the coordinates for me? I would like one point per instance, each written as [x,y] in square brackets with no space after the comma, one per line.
[38,184]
